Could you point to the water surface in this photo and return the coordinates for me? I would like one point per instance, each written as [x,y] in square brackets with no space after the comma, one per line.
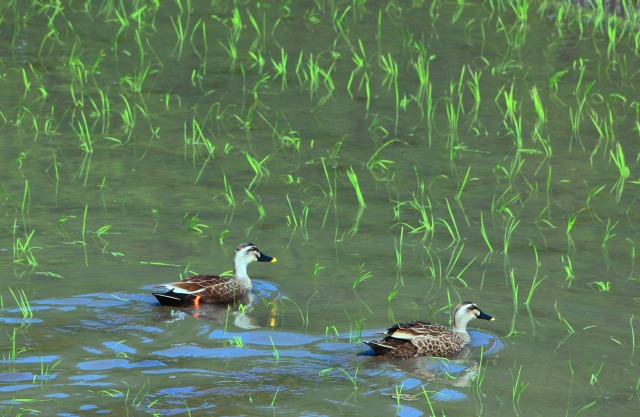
[133,155]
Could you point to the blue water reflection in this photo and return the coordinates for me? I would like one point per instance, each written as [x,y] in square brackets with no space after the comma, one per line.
[126,346]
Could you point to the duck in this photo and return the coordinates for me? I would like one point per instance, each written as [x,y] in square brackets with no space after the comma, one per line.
[213,288]
[421,338]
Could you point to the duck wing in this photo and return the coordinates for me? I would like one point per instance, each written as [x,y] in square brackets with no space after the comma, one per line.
[208,288]
[412,329]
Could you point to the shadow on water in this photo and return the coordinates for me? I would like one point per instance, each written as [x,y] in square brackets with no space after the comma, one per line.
[108,351]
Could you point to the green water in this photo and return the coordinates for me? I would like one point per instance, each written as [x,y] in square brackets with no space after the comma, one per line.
[133,155]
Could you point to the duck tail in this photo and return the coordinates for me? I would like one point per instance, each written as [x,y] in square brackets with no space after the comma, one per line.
[168,297]
[380,348]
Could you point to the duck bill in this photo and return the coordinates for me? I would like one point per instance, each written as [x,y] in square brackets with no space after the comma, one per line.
[485,317]
[266,258]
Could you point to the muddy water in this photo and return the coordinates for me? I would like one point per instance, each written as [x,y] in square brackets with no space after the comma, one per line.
[150,204]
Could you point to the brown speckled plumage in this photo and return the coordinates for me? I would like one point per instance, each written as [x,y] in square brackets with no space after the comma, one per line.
[416,338]
[213,288]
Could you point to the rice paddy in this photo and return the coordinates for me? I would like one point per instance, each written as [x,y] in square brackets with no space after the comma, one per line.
[397,157]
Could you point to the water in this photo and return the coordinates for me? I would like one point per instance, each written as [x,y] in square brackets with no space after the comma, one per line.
[209,152]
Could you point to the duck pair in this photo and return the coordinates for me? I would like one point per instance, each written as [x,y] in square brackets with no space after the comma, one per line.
[403,340]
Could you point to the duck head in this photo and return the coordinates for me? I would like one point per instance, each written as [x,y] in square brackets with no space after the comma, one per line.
[247,253]
[466,311]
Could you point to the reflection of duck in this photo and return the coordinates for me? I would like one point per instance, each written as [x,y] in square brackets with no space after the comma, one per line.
[416,338]
[212,288]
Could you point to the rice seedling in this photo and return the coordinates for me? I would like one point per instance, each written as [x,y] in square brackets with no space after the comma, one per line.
[45,371]
[9,358]
[510,227]
[483,232]
[474,88]
[568,271]
[256,202]
[398,244]
[232,52]
[535,282]
[514,294]
[539,108]
[571,220]
[633,258]
[380,168]
[304,315]
[428,400]
[600,286]
[340,24]
[226,318]
[259,168]
[275,395]
[353,179]
[453,261]
[234,24]
[352,378]
[23,249]
[623,170]
[453,117]
[331,332]
[479,379]
[22,302]
[598,122]
[315,271]
[291,219]
[210,148]
[563,320]
[274,349]
[298,220]
[517,390]
[452,227]
[422,206]
[398,393]
[192,223]
[390,70]
[355,331]
[227,195]
[633,339]
[127,116]
[608,233]
[47,274]
[256,59]
[235,341]
[361,68]
[425,90]
[81,127]
[362,276]
[281,69]
[595,373]
[463,184]
[136,400]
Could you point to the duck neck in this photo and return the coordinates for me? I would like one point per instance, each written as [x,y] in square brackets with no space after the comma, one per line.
[460,327]
[240,276]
